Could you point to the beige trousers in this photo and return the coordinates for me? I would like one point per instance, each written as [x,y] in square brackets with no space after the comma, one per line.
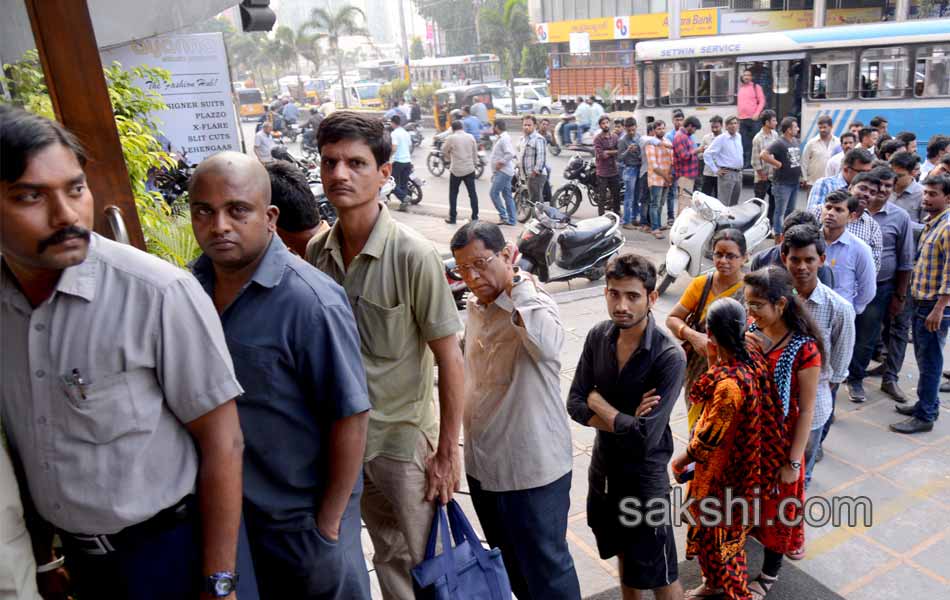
[397,517]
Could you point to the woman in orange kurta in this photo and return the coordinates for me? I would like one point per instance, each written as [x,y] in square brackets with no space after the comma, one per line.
[725,447]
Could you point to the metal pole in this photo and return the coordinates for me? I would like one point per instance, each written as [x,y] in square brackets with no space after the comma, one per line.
[818,14]
[478,34]
[674,19]
[405,42]
[901,9]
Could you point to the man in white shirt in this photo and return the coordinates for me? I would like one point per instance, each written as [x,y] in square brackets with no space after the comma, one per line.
[596,111]
[724,159]
[502,161]
[264,143]
[847,143]
[938,147]
[817,151]
[517,435]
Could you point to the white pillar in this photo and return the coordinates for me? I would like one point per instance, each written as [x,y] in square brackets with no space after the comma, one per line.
[674,18]
[818,13]
[901,9]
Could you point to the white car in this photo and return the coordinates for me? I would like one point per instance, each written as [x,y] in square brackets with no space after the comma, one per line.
[501,99]
[539,97]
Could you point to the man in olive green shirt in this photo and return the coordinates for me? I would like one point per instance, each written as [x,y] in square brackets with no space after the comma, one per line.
[405,313]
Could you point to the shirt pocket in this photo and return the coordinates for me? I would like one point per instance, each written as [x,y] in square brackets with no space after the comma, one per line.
[255,367]
[382,330]
[113,406]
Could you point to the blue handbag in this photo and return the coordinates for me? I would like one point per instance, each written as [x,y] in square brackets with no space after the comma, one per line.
[464,572]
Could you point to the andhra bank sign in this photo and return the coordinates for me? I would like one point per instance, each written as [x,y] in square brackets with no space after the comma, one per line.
[692,23]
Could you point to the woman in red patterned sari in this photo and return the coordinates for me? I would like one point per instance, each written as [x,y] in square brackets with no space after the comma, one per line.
[726,449]
[783,328]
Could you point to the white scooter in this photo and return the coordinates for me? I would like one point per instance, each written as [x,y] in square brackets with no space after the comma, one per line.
[694,228]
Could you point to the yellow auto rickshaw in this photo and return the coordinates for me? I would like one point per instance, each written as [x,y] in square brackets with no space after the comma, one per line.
[252,103]
[447,100]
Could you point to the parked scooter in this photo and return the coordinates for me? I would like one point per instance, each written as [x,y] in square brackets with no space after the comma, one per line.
[694,228]
[554,249]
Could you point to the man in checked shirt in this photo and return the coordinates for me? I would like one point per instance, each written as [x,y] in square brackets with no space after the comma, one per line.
[533,159]
[930,287]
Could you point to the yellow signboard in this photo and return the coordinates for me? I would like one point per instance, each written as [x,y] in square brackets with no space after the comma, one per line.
[692,23]
[762,21]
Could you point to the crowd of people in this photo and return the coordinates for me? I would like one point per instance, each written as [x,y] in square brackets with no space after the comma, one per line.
[224,430]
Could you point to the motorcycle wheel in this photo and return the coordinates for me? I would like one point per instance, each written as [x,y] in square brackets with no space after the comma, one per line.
[555,150]
[667,279]
[435,164]
[415,193]
[567,199]
[479,170]
[523,202]
[327,212]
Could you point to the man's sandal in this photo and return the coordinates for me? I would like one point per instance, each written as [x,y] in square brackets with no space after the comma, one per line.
[761,586]
[703,591]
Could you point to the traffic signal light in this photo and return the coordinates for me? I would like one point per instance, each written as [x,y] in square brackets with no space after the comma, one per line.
[256,15]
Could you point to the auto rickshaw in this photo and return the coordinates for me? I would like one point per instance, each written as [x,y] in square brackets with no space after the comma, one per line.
[251,102]
[447,100]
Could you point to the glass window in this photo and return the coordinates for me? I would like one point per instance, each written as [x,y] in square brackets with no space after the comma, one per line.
[674,83]
[932,72]
[883,72]
[831,75]
[649,85]
[715,82]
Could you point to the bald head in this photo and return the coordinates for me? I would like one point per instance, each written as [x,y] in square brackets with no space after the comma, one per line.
[235,174]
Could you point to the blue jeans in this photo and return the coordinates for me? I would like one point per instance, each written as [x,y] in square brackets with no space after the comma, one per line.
[867,328]
[500,194]
[657,195]
[811,451]
[928,349]
[671,195]
[566,132]
[631,210]
[530,528]
[784,195]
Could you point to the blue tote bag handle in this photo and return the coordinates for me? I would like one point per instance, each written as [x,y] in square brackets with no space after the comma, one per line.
[462,528]
[446,558]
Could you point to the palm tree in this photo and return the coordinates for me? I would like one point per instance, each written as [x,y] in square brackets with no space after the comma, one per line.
[332,26]
[288,46]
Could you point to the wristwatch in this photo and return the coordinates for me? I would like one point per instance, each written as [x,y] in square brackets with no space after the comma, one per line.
[796,464]
[221,584]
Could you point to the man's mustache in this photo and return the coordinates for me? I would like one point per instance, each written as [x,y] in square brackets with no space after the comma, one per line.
[73,231]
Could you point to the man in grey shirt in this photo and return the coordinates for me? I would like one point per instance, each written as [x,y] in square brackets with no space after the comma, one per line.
[517,437]
[117,391]
[460,150]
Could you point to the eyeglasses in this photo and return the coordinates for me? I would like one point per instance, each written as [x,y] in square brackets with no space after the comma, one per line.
[479,264]
[729,256]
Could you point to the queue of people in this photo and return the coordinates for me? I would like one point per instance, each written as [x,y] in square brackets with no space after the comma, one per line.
[222,433]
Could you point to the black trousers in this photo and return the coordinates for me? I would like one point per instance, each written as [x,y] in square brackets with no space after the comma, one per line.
[710,185]
[763,189]
[454,182]
[401,173]
[611,183]
[161,566]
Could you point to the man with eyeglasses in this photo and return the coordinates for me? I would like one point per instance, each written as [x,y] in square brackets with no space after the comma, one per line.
[855,161]
[518,455]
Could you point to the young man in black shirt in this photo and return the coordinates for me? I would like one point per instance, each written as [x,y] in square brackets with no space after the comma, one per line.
[630,407]
[785,155]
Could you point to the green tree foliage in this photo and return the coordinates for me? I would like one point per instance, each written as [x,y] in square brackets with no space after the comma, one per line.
[332,25]
[167,229]
[424,92]
[505,30]
[534,60]
[456,21]
[416,49]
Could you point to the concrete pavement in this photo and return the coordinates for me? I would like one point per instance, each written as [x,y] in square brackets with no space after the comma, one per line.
[905,553]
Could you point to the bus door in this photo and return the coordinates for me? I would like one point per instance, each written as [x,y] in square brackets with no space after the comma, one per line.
[781,77]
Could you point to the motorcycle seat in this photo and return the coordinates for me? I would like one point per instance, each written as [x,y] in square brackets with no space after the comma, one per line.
[741,216]
[585,232]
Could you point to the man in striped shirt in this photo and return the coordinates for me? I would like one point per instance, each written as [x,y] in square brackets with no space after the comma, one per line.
[659,174]
[930,287]
[533,158]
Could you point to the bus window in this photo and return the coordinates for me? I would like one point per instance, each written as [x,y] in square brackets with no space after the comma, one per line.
[883,72]
[932,75]
[674,83]
[831,75]
[649,85]
[715,82]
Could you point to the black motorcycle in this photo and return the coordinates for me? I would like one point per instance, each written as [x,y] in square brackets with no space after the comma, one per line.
[554,249]
[436,163]
[581,175]
[521,196]
[173,183]
[415,134]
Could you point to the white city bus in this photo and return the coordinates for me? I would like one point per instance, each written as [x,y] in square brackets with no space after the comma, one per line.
[899,70]
[469,69]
